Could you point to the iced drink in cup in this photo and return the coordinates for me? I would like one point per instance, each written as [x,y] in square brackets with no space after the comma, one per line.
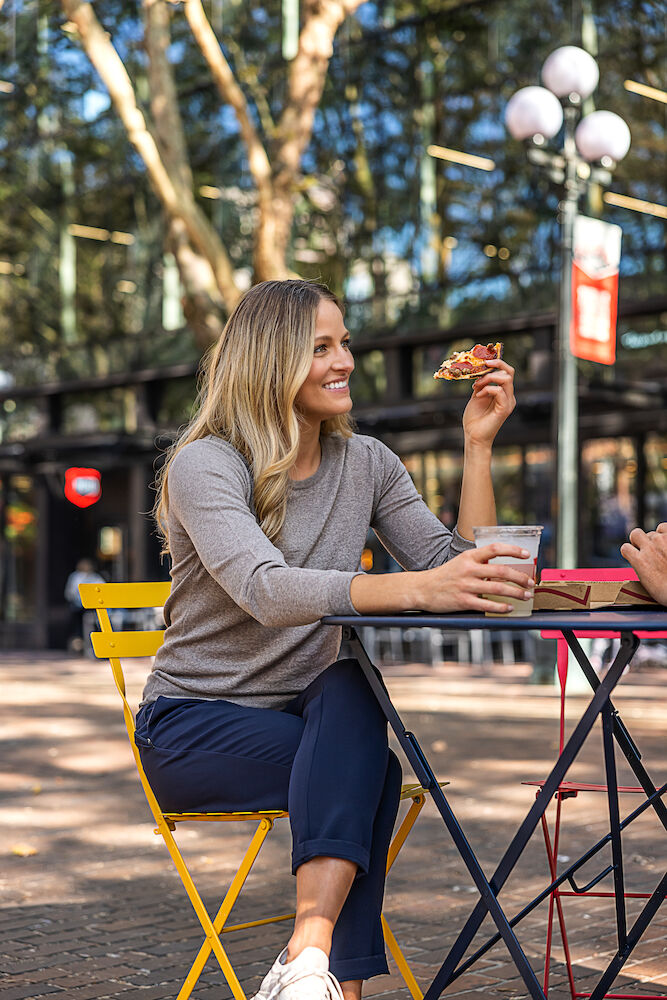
[527,536]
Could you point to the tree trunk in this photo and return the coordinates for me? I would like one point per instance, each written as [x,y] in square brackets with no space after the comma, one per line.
[273,236]
[203,307]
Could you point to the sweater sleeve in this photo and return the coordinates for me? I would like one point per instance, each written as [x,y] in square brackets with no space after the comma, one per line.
[210,496]
[402,521]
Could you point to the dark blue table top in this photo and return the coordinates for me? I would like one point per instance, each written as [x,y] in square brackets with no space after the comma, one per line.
[602,619]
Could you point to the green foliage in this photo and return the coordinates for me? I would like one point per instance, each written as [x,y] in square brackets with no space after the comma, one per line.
[359,224]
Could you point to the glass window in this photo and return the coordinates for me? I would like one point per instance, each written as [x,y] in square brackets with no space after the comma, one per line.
[641,347]
[507,473]
[85,412]
[437,476]
[18,538]
[538,479]
[176,403]
[529,356]
[369,381]
[609,510]
[21,419]
[413,463]
[449,473]
[655,496]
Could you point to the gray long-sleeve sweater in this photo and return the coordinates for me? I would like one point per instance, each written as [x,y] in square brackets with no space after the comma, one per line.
[243,614]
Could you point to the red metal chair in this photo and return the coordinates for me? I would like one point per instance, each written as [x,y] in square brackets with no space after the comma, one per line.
[570,789]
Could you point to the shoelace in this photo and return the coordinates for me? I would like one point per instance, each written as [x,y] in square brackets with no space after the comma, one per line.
[332,984]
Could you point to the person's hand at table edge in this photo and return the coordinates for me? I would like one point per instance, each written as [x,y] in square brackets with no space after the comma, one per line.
[647,554]
[457,585]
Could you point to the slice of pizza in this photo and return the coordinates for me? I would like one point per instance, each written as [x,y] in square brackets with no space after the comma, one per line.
[469,364]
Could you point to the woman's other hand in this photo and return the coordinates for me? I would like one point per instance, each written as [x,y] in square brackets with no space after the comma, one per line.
[647,554]
[490,404]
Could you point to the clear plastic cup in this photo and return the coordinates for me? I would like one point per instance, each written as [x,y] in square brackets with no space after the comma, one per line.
[527,536]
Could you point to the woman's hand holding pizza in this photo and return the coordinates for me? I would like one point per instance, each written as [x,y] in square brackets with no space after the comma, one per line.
[490,404]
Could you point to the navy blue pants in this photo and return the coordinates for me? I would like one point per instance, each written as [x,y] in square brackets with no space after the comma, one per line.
[324,757]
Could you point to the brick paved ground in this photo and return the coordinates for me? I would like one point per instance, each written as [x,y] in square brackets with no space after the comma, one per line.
[97,912]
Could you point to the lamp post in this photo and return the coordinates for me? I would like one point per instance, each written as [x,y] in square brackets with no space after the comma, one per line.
[591,146]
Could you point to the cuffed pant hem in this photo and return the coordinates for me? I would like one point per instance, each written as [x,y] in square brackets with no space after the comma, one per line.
[359,968]
[344,849]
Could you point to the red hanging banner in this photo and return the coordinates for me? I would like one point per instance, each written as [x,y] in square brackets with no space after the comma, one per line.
[596,259]
[83,487]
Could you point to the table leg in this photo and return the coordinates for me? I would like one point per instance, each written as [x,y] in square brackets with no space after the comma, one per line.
[490,889]
[566,876]
[425,775]
[614,823]
[634,935]
[614,728]
[622,736]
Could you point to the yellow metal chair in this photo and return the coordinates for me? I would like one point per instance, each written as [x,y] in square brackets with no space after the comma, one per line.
[117,645]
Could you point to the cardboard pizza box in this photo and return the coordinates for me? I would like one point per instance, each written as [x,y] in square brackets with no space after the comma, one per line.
[562,595]
[633,592]
[604,592]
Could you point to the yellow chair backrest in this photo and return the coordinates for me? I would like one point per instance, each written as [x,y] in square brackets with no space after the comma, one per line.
[107,644]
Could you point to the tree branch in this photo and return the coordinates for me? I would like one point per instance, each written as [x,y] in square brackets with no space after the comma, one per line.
[164,98]
[306,79]
[176,197]
[231,93]
[200,307]
[248,75]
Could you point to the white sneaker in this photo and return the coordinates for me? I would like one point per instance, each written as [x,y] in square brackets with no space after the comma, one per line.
[306,977]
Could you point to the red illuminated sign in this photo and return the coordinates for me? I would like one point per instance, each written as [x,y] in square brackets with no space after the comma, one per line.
[83,487]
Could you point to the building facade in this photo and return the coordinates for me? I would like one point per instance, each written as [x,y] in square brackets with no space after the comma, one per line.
[120,426]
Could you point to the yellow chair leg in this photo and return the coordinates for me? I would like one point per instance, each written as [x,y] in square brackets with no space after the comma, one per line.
[212,942]
[226,906]
[404,829]
[399,958]
[397,843]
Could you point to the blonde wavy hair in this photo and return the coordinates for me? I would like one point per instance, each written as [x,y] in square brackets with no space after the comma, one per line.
[248,387]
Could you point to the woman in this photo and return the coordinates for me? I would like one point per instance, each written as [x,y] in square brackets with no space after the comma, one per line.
[265,503]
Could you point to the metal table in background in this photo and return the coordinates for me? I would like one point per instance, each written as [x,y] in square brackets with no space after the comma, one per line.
[633,626]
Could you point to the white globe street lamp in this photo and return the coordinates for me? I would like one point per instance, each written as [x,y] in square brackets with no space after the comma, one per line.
[570,71]
[600,139]
[602,136]
[534,111]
